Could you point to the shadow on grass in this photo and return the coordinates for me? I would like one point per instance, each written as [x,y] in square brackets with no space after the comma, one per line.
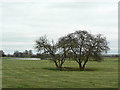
[71,69]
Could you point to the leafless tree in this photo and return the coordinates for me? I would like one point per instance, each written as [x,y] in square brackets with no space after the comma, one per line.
[81,45]
[85,46]
[43,45]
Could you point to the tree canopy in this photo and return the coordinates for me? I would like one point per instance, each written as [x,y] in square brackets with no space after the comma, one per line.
[85,46]
[81,45]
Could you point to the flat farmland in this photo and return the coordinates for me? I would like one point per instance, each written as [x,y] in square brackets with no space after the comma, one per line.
[43,74]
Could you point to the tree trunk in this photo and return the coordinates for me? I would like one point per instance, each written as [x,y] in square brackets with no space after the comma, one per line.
[80,65]
[56,64]
[60,67]
[85,63]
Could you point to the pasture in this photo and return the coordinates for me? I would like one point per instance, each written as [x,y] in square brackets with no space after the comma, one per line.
[43,74]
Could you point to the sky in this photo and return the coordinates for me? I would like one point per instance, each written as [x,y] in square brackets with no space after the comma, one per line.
[24,21]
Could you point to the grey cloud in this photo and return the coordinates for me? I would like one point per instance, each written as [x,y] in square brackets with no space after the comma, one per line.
[25,22]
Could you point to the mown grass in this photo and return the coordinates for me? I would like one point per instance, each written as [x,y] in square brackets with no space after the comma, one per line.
[43,74]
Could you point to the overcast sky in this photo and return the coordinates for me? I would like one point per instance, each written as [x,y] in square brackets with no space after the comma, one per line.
[24,22]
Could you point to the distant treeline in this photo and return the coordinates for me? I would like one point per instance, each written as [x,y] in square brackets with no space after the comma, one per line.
[29,54]
[25,54]
[110,55]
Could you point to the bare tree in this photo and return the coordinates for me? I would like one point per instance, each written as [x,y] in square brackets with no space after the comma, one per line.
[55,50]
[85,46]
[81,45]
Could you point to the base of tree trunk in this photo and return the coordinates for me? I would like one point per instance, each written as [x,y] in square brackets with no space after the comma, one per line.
[82,69]
[59,68]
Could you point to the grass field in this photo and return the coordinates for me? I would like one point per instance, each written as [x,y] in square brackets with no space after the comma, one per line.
[43,74]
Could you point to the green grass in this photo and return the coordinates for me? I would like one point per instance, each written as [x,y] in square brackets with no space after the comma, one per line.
[43,74]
